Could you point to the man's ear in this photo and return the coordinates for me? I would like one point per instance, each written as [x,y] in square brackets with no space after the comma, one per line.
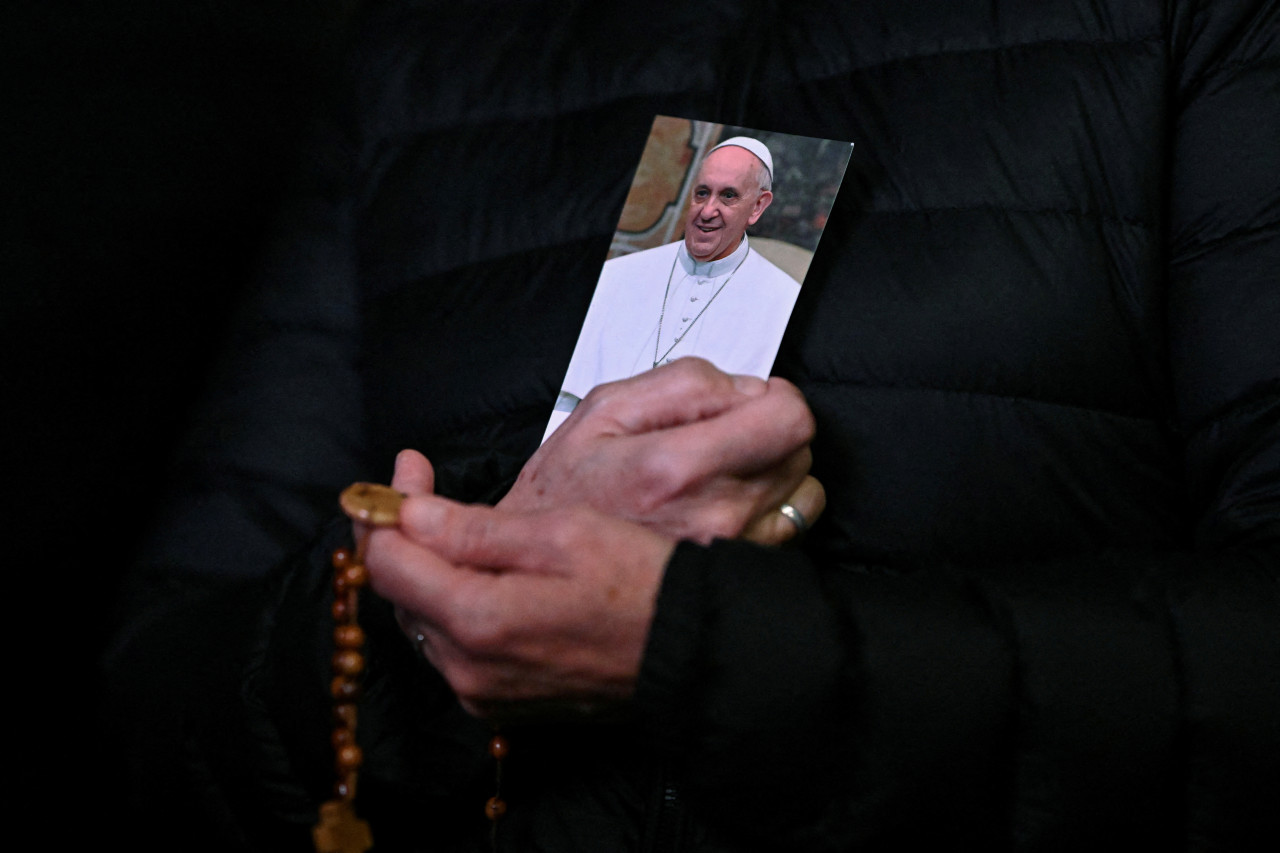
[762,201]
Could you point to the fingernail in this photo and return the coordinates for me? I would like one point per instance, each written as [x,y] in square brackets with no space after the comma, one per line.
[752,386]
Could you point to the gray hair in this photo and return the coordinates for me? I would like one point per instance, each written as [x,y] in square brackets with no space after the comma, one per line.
[763,177]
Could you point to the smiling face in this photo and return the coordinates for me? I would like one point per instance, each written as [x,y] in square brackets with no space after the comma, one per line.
[727,197]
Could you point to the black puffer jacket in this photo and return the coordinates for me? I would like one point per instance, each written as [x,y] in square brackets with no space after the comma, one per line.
[1041,339]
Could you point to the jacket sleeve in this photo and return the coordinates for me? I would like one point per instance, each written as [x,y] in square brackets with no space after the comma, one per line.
[278,434]
[1112,699]
[279,430]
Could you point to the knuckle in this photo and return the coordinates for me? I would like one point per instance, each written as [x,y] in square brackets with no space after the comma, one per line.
[602,398]
[691,374]
[472,529]
[593,405]
[804,424]
[799,417]
[655,481]
[696,369]
[563,531]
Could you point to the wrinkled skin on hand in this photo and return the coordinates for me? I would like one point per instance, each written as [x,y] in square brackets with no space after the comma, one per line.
[686,450]
[523,613]
[542,604]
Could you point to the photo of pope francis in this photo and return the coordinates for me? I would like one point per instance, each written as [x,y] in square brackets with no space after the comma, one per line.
[708,295]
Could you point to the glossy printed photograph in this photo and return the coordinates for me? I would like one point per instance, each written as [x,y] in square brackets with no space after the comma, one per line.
[711,250]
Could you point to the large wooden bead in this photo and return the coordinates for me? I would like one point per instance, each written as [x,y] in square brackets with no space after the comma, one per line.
[372,503]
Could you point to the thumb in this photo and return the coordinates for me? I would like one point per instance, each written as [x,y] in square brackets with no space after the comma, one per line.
[414,474]
[477,535]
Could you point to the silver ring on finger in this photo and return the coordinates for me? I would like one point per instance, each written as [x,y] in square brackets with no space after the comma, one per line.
[796,517]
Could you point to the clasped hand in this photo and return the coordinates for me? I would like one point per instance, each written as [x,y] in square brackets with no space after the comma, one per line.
[543,603]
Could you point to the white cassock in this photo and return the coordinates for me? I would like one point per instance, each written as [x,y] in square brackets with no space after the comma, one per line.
[658,305]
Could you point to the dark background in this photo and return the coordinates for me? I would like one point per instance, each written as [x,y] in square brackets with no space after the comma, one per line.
[144,149]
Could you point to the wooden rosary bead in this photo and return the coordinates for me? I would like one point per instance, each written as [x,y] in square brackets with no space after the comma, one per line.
[348,758]
[354,575]
[341,557]
[344,689]
[341,737]
[495,808]
[348,662]
[344,714]
[498,747]
[341,609]
[348,636]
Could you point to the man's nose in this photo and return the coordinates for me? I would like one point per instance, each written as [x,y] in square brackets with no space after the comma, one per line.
[710,208]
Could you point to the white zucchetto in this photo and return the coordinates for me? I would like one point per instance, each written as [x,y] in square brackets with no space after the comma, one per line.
[755,146]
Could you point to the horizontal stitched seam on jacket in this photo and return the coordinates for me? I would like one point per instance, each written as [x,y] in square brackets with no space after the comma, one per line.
[1155,38]
[1261,63]
[504,113]
[1029,211]
[855,384]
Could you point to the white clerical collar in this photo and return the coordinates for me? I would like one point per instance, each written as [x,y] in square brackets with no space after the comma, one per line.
[712,269]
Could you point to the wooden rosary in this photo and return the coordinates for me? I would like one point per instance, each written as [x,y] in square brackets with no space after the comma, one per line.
[340,829]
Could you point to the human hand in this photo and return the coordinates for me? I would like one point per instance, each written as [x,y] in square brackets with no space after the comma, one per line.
[685,450]
[523,613]
[544,603]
